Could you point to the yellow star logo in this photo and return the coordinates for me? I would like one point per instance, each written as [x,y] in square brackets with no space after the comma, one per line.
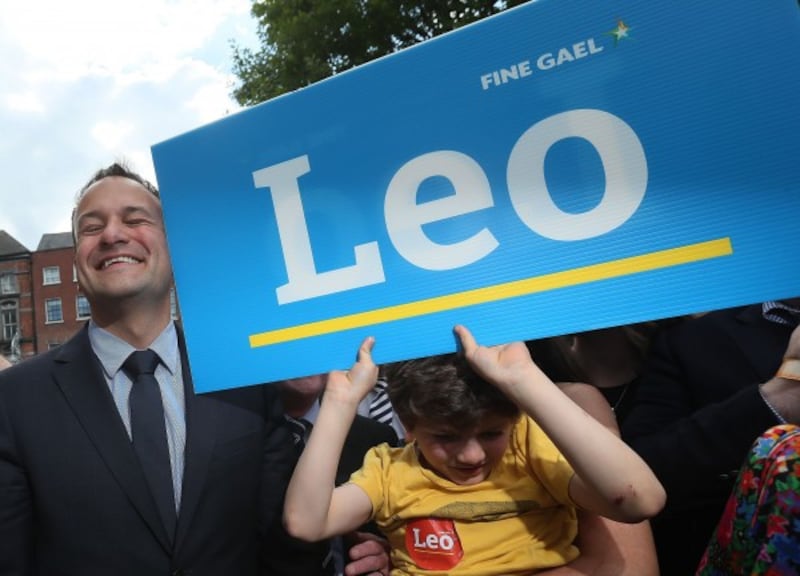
[621,32]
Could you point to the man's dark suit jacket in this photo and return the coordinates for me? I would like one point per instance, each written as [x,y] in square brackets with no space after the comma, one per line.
[698,412]
[299,557]
[73,498]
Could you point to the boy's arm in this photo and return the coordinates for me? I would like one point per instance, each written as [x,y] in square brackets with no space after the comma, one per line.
[610,478]
[313,509]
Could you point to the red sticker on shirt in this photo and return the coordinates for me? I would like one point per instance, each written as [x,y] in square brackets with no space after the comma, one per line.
[433,543]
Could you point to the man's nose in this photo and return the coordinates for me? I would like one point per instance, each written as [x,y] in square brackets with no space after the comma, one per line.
[113,232]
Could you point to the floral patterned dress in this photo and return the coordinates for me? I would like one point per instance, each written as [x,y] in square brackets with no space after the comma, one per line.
[759,533]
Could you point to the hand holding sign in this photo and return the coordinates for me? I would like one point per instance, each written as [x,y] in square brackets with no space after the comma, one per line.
[352,386]
[509,367]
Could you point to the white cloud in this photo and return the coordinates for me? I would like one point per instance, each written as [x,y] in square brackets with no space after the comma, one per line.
[85,37]
[87,82]
[211,101]
[110,134]
[24,102]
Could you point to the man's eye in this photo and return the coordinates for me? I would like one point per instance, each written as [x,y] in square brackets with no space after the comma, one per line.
[491,434]
[91,229]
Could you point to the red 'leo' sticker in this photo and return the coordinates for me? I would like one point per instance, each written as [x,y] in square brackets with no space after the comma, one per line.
[433,543]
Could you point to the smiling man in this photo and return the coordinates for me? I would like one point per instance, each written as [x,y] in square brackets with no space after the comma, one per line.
[109,462]
[122,259]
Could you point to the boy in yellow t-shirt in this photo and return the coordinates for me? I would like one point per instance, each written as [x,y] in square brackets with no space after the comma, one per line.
[481,489]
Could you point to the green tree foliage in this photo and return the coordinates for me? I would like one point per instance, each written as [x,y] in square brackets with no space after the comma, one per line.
[303,41]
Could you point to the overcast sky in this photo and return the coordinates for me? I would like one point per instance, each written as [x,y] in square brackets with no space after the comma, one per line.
[87,82]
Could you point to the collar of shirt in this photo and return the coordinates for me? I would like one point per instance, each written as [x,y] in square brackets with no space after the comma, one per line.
[773,309]
[312,413]
[112,351]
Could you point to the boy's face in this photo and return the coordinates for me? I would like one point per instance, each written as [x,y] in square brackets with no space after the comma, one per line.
[464,457]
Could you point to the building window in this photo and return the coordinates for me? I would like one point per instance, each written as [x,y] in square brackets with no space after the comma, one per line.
[9,320]
[51,345]
[52,311]
[82,307]
[52,275]
[8,284]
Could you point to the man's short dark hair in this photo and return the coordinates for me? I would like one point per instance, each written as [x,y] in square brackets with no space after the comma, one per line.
[117,169]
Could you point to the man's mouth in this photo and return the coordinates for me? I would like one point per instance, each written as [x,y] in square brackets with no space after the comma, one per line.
[118,260]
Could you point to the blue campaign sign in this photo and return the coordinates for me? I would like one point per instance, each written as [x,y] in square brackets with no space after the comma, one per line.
[563,166]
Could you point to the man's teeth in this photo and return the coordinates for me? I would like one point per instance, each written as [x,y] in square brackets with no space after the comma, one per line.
[123,259]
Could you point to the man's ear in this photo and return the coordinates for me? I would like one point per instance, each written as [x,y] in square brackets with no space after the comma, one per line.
[409,438]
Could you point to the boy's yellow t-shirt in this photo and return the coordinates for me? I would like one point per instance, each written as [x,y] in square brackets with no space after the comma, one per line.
[519,520]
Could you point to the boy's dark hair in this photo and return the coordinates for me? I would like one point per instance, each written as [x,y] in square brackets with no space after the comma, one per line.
[444,389]
[115,169]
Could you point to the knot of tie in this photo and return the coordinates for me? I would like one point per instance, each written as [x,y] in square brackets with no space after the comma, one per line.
[300,428]
[140,362]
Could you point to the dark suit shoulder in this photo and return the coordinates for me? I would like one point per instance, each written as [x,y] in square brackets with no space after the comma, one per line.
[738,344]
[712,324]
[32,372]
[253,398]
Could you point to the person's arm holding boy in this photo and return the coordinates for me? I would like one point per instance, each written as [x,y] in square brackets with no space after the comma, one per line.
[610,478]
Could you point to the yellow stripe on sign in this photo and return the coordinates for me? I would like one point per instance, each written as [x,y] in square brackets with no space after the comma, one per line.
[603,271]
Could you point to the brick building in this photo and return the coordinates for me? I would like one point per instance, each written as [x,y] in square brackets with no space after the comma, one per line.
[41,305]
[60,307]
[17,311]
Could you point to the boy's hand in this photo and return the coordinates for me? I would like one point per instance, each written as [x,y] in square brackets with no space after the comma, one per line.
[505,366]
[353,385]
